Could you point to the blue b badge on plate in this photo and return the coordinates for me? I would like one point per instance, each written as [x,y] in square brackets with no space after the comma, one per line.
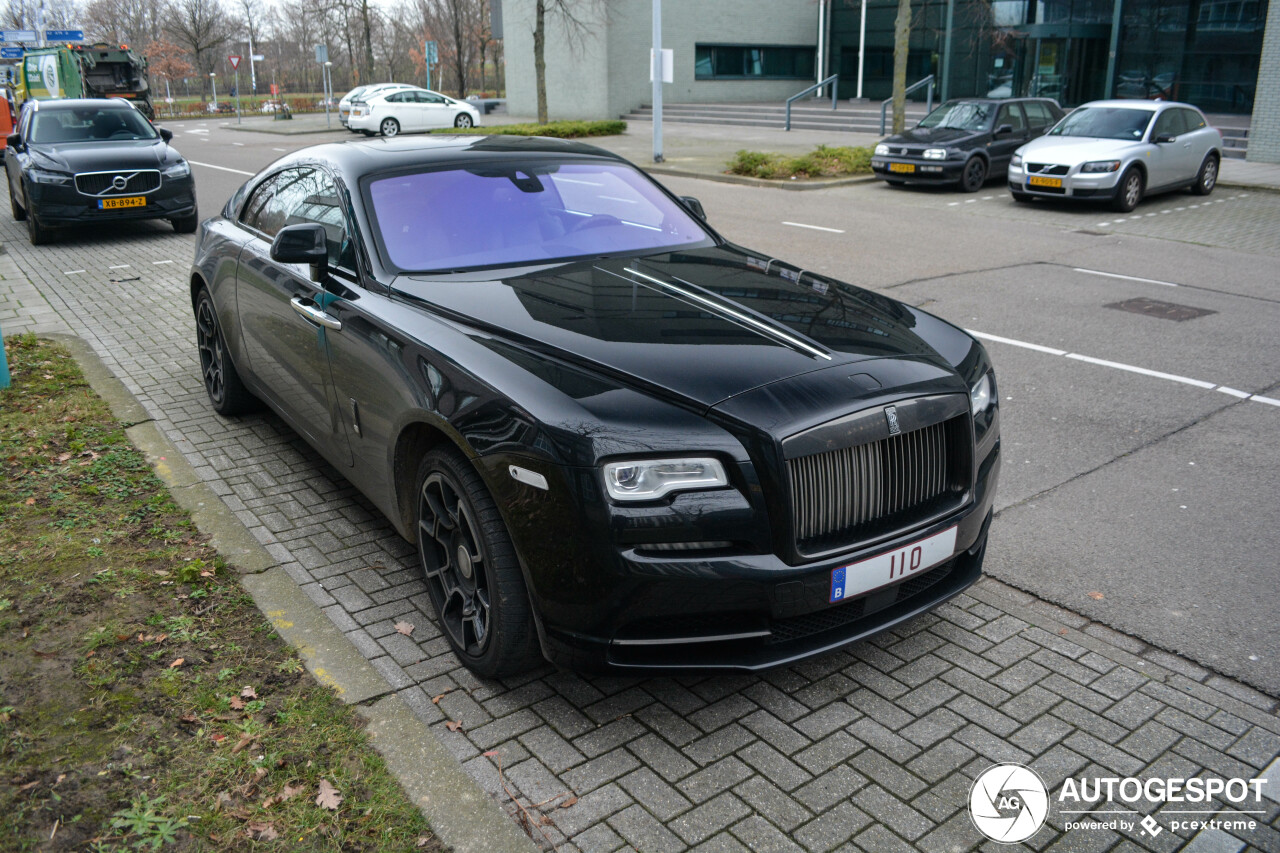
[837,585]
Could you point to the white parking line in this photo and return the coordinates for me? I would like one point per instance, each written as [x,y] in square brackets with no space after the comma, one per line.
[239,144]
[72,272]
[158,263]
[1125,277]
[119,267]
[1129,368]
[221,168]
[279,149]
[814,227]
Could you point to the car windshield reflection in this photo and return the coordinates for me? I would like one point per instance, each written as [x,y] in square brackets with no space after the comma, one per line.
[89,125]
[964,115]
[1104,123]
[454,219]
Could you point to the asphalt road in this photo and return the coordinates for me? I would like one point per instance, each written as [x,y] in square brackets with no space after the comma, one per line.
[1140,483]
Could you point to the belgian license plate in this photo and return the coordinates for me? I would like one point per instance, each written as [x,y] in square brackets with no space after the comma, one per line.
[902,167]
[892,566]
[116,203]
[1037,181]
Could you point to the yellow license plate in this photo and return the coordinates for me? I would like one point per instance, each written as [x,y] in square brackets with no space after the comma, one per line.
[1037,181]
[902,167]
[116,203]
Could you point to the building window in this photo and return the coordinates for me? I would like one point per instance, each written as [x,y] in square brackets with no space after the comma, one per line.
[753,62]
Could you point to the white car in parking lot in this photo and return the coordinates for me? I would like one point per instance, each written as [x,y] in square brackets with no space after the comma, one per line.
[407,110]
[1119,151]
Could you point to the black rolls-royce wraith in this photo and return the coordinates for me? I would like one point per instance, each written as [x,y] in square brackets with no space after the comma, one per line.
[618,441]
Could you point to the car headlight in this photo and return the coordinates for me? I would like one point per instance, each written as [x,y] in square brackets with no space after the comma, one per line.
[650,479]
[40,176]
[980,395]
[1101,166]
[1016,160]
[882,150]
[935,153]
[179,169]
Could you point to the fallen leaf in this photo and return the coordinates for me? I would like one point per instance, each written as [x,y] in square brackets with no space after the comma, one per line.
[1096,596]
[120,638]
[245,740]
[423,841]
[571,801]
[249,693]
[404,628]
[435,700]
[189,718]
[260,831]
[493,753]
[288,792]
[218,737]
[179,662]
[1062,633]
[58,781]
[63,457]
[30,501]
[237,704]
[328,798]
[29,785]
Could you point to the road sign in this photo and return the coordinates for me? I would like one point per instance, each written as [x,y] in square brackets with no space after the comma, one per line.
[431,53]
[275,90]
[64,35]
[322,53]
[15,36]
[235,62]
[10,53]
[258,57]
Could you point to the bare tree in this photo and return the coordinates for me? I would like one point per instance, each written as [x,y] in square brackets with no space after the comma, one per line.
[452,23]
[572,16]
[200,27]
[131,22]
[901,44]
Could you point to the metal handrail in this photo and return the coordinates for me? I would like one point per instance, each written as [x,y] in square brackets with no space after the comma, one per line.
[916,85]
[815,87]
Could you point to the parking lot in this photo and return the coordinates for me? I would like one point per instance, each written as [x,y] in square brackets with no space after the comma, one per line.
[1130,625]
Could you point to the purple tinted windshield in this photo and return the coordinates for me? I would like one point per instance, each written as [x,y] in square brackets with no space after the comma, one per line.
[502,215]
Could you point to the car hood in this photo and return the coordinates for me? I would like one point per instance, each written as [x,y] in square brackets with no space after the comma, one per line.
[1069,150]
[933,136]
[703,325]
[104,156]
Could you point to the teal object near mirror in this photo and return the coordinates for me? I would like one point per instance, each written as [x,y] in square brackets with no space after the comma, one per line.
[4,364]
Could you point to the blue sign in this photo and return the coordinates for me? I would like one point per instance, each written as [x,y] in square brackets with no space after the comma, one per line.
[10,53]
[432,54]
[64,35]
[15,36]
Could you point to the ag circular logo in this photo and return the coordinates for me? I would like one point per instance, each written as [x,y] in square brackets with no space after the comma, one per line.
[1009,803]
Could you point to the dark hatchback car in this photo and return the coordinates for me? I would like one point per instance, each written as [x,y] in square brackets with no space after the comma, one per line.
[617,440]
[85,161]
[964,142]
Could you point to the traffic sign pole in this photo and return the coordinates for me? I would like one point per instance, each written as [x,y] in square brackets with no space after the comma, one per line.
[239,117]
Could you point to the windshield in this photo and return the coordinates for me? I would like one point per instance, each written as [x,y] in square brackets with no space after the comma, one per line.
[501,215]
[1104,123]
[89,125]
[961,115]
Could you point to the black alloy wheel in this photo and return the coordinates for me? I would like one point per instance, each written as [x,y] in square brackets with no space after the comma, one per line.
[186,224]
[1128,191]
[471,570]
[1207,178]
[19,212]
[37,233]
[974,175]
[221,380]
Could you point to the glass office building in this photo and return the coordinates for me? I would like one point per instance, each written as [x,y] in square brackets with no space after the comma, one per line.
[1205,52]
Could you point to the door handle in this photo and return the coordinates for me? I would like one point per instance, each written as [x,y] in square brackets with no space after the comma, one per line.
[312,313]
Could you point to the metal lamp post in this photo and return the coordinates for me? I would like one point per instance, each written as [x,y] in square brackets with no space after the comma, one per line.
[328,93]
[213,81]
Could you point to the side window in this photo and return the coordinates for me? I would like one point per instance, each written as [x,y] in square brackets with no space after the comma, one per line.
[1169,122]
[397,98]
[253,209]
[429,98]
[1192,120]
[1038,115]
[1011,114]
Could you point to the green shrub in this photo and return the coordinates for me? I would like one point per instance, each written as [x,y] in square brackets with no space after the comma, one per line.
[823,162]
[557,129]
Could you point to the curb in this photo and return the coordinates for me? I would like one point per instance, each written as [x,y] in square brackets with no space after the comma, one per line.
[281,131]
[756,182]
[461,814]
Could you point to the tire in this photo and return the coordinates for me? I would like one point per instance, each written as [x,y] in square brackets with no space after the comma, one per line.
[19,212]
[894,183]
[37,233]
[221,379]
[389,127]
[463,120]
[186,224]
[974,175]
[470,567]
[1207,178]
[1128,190]
[1021,198]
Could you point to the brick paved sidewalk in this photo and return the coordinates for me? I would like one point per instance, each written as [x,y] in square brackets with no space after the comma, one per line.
[872,749]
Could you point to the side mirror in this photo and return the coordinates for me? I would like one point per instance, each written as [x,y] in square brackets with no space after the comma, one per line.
[694,206]
[1004,130]
[14,141]
[1166,137]
[305,243]
[165,133]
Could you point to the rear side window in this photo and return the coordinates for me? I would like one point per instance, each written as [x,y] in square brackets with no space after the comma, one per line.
[1192,120]
[1010,114]
[1038,114]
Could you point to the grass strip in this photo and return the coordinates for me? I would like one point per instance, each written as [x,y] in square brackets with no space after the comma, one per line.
[144,701]
[557,129]
[823,162]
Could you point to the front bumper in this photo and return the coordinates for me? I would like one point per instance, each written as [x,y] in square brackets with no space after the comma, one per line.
[54,204]
[1073,185]
[917,169]
[605,607]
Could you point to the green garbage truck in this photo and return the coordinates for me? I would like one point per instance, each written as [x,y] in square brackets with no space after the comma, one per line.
[91,71]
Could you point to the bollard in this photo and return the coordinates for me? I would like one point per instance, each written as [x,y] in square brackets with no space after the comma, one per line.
[4,365]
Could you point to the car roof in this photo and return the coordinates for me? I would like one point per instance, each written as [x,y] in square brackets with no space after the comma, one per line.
[357,158]
[82,104]
[1136,104]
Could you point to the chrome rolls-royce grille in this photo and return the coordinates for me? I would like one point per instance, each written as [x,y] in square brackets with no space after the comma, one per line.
[864,491]
[132,182]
